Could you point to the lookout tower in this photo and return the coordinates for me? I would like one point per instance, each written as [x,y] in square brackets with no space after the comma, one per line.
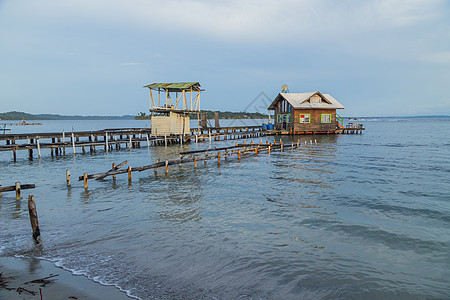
[170,115]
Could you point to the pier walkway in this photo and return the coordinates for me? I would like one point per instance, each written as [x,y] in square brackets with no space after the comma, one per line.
[116,138]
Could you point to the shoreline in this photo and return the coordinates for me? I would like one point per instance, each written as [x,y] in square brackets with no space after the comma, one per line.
[18,273]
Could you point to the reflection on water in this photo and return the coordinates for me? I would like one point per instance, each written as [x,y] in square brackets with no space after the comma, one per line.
[351,217]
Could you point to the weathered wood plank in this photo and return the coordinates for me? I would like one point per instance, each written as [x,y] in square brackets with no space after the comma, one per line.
[13,188]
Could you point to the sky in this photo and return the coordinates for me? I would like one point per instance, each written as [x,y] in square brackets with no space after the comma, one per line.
[93,57]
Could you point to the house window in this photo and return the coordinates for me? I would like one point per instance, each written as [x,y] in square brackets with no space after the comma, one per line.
[325,118]
[305,118]
[287,118]
[279,118]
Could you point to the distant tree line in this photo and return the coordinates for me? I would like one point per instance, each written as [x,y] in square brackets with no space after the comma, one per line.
[222,115]
[17,115]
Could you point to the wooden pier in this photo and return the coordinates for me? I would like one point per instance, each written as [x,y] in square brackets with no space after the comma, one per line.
[110,139]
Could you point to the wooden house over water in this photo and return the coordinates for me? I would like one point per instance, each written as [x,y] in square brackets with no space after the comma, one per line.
[301,113]
[170,114]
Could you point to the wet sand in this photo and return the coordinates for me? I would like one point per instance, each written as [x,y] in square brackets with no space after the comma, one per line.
[18,272]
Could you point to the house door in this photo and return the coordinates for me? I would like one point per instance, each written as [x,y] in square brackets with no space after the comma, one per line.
[285,122]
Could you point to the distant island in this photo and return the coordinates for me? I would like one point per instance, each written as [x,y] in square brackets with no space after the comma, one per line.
[222,115]
[17,115]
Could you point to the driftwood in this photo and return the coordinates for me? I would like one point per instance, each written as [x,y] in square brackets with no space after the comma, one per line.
[113,169]
[44,280]
[33,218]
[13,188]
[103,175]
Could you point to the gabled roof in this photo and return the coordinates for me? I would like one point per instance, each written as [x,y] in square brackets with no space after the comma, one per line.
[302,100]
[175,86]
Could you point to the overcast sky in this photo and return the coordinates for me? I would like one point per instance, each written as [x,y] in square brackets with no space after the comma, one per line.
[92,57]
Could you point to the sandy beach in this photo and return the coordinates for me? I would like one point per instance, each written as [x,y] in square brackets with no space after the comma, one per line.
[17,275]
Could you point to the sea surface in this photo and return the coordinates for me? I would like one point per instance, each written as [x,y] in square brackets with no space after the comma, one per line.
[351,217]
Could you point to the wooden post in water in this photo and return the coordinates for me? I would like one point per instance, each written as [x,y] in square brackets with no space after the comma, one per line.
[73,142]
[18,190]
[239,155]
[195,163]
[218,158]
[38,147]
[148,142]
[113,168]
[156,172]
[167,167]
[130,145]
[106,141]
[129,173]
[209,132]
[269,148]
[85,180]
[256,151]
[64,141]
[33,218]
[68,177]
[165,139]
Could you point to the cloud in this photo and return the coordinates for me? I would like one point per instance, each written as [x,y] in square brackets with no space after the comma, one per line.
[131,64]
[442,57]
[252,20]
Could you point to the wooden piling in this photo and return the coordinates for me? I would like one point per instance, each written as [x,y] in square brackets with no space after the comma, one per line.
[113,167]
[106,141]
[156,172]
[17,190]
[129,173]
[256,151]
[85,180]
[167,167]
[148,141]
[33,218]
[73,142]
[218,158]
[195,162]
[68,177]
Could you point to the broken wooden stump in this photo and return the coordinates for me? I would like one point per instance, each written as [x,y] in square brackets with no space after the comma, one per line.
[33,218]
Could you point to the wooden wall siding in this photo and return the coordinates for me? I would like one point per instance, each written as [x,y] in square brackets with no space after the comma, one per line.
[279,110]
[315,124]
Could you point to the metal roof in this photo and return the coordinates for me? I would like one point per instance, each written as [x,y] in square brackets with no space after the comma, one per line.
[301,101]
[175,86]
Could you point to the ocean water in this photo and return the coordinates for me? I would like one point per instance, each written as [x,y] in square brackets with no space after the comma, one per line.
[351,217]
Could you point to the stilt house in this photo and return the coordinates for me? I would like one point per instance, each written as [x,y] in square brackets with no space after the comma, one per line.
[170,114]
[300,113]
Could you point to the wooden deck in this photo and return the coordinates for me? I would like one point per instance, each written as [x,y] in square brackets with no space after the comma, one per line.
[116,138]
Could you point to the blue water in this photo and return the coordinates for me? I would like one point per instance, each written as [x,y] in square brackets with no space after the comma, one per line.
[351,217]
